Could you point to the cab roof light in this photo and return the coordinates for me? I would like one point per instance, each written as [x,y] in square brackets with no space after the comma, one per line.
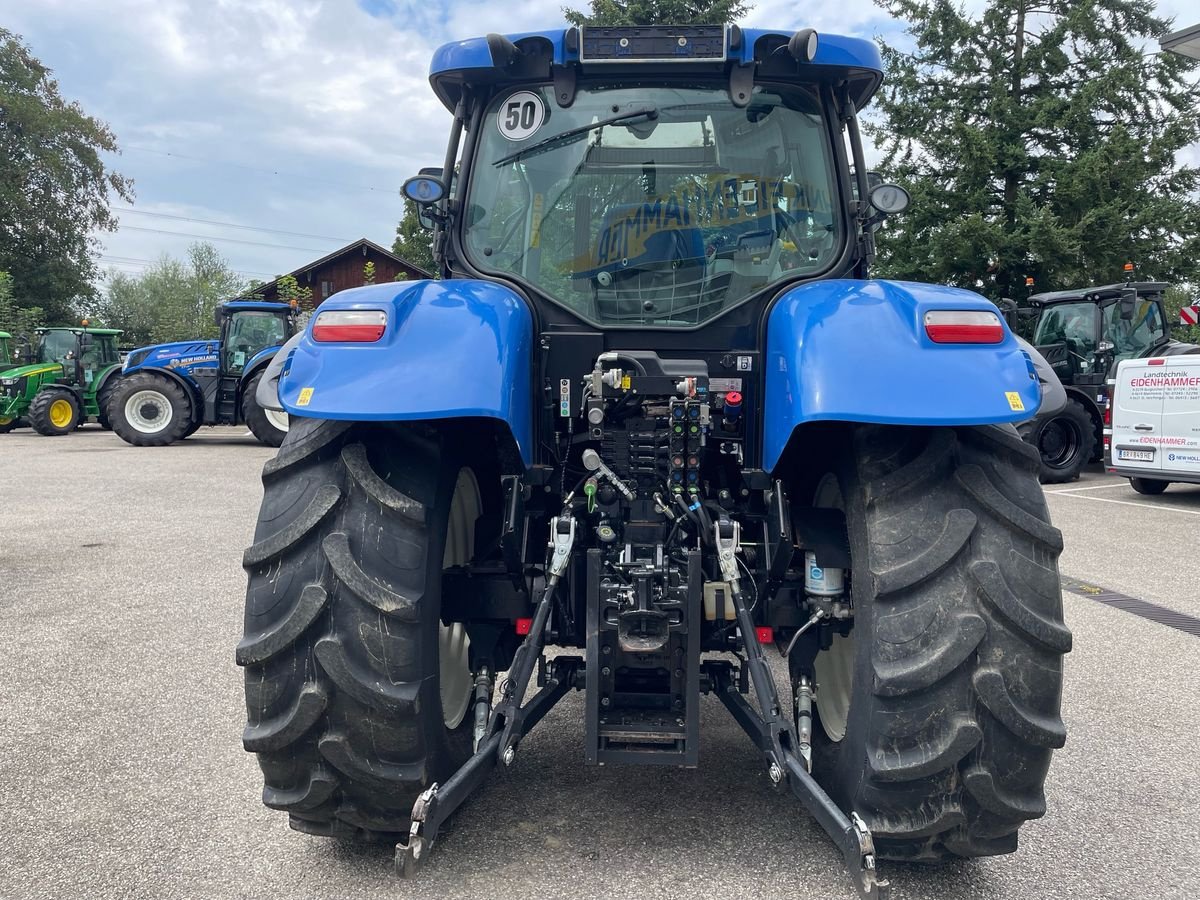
[963,326]
[361,326]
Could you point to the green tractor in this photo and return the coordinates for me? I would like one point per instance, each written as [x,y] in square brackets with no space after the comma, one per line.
[66,385]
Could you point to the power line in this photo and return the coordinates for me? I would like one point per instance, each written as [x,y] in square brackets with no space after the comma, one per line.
[143,212]
[146,263]
[209,237]
[296,175]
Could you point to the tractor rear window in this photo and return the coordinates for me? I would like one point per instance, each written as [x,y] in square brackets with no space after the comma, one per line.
[652,206]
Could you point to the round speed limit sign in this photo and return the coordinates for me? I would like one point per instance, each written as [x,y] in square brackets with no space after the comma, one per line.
[520,115]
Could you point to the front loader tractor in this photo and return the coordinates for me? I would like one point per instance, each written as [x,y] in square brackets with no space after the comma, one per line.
[74,372]
[169,390]
[657,416]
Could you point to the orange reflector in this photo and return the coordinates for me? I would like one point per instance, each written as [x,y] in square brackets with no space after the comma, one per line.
[363,326]
[765,635]
[524,626]
[963,326]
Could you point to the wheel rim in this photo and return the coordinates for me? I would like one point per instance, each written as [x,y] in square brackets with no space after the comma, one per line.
[148,412]
[834,668]
[4,421]
[61,413]
[454,664]
[1059,442]
[277,418]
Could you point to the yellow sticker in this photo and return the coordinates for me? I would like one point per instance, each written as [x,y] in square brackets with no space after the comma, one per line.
[1014,400]
[626,382]
[306,395]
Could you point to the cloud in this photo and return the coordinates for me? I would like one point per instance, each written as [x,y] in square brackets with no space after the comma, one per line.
[296,115]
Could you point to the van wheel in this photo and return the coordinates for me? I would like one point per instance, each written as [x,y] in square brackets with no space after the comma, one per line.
[1148,485]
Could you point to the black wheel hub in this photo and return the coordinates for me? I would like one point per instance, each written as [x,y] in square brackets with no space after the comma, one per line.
[149,412]
[1059,442]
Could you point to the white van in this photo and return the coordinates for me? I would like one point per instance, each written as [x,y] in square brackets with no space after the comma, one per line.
[1156,422]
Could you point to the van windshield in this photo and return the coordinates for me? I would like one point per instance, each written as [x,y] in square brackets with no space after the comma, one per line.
[661,206]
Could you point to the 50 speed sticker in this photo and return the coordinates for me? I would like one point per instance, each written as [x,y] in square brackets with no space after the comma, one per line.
[521,115]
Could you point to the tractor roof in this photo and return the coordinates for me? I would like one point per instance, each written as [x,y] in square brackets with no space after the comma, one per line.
[77,329]
[483,60]
[255,306]
[1103,292]
[5,334]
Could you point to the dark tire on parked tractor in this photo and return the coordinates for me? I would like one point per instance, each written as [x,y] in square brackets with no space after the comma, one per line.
[7,425]
[54,411]
[192,428]
[937,716]
[357,695]
[1149,486]
[267,425]
[149,410]
[102,398]
[1065,443]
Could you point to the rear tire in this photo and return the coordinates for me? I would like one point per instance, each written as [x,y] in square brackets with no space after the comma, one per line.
[1065,443]
[265,424]
[54,411]
[102,398]
[1149,486]
[951,681]
[149,410]
[344,645]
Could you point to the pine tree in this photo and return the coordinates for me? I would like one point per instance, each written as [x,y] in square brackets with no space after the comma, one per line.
[1038,139]
[659,12]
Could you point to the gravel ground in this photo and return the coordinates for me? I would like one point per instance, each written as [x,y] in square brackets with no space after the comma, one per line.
[121,710]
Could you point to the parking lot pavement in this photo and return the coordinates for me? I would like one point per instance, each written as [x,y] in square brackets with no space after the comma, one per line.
[1139,545]
[121,714]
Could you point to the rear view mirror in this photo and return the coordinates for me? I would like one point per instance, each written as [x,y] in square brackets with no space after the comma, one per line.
[1128,303]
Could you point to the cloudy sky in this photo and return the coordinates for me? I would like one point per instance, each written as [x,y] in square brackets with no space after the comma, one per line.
[282,129]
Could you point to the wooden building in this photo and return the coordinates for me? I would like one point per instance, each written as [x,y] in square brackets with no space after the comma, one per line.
[344,269]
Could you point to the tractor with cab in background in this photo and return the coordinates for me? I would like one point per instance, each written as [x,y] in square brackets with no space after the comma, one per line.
[657,415]
[69,382]
[168,391]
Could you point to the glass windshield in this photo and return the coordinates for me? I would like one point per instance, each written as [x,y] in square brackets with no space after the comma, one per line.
[4,357]
[1134,337]
[56,347]
[679,209]
[249,332]
[1071,323]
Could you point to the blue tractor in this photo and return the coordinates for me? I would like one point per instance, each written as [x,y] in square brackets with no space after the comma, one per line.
[657,412]
[167,391]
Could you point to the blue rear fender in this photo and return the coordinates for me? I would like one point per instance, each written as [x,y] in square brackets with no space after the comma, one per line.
[451,349]
[857,351]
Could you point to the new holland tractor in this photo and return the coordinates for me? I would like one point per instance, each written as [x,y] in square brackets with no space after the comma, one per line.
[168,391]
[657,416]
[68,384]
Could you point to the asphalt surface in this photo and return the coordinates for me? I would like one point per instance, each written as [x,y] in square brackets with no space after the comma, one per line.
[122,773]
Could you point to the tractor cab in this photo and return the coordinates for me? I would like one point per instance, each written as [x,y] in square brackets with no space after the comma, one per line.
[250,327]
[82,352]
[6,360]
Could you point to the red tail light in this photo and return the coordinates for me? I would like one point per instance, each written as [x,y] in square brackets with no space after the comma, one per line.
[1156,362]
[765,635]
[963,326]
[362,326]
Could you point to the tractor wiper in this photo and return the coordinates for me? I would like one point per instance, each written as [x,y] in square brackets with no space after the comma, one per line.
[571,134]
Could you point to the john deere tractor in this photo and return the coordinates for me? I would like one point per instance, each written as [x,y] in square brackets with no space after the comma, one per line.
[170,390]
[657,415]
[69,384]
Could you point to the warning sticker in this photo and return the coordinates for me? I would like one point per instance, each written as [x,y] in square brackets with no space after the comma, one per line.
[1014,401]
[305,397]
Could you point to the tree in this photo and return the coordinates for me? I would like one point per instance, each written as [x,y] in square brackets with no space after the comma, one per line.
[1039,140]
[54,186]
[289,289]
[413,241]
[19,321]
[173,300]
[369,272]
[659,12]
